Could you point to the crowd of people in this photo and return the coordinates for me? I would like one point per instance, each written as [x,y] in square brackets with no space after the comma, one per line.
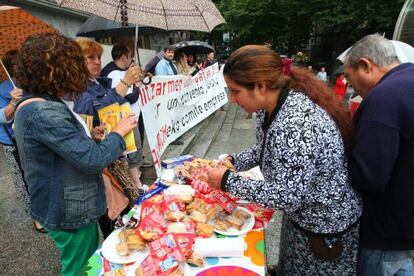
[345,186]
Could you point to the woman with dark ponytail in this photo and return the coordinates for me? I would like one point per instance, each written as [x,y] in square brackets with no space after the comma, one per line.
[302,135]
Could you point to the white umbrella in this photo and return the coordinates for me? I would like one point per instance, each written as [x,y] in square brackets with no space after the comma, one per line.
[193,15]
[405,52]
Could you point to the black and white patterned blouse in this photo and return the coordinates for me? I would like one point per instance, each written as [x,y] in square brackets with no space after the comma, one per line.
[304,168]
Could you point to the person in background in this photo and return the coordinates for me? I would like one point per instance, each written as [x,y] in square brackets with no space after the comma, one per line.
[209,60]
[382,158]
[122,57]
[181,63]
[310,68]
[99,94]
[301,139]
[9,96]
[340,86]
[61,163]
[194,67]
[322,76]
[166,67]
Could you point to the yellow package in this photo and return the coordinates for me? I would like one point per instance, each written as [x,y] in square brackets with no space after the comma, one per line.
[129,138]
[88,120]
[109,117]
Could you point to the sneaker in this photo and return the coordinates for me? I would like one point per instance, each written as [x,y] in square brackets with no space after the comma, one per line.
[249,116]
[146,164]
[177,142]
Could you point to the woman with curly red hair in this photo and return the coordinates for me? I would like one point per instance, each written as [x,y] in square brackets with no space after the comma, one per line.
[301,135]
[62,165]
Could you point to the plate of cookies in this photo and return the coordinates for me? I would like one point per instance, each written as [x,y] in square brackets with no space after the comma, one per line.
[124,246]
[237,223]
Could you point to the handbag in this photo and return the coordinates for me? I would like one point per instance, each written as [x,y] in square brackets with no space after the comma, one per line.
[116,200]
[120,170]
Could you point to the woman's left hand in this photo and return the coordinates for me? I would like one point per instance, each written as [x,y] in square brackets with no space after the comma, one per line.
[214,176]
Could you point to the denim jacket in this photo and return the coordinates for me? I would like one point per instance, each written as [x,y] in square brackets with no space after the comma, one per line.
[62,165]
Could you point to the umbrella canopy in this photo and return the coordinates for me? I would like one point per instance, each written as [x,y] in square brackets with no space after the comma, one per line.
[195,15]
[99,27]
[15,26]
[150,66]
[405,52]
[339,70]
[194,47]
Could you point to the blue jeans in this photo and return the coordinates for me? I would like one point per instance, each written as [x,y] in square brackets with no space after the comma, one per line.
[385,262]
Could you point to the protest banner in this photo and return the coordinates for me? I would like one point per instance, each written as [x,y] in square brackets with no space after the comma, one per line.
[171,105]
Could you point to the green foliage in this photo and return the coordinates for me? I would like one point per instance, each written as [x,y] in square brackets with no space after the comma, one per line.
[290,23]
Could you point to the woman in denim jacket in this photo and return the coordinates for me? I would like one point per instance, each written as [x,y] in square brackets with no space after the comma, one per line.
[62,164]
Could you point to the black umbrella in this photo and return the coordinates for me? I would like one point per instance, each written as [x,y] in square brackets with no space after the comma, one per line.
[99,27]
[194,47]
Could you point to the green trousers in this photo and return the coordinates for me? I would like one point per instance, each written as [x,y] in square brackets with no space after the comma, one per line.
[75,248]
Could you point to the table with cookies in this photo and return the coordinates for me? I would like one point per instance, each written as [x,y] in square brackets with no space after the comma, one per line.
[180,226]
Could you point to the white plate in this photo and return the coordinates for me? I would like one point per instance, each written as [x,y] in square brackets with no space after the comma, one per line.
[109,251]
[247,226]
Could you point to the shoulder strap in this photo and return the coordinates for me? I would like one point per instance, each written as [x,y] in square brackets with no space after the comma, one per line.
[29,100]
[9,135]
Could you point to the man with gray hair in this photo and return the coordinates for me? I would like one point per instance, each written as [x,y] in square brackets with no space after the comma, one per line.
[381,161]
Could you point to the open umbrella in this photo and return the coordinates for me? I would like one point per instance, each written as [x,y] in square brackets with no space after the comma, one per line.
[405,52]
[100,27]
[194,47]
[15,26]
[195,15]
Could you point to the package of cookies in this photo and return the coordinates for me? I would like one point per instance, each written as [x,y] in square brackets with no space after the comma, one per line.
[204,230]
[198,216]
[196,260]
[152,227]
[224,200]
[147,268]
[185,242]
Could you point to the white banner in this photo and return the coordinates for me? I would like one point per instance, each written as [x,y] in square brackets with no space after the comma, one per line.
[171,105]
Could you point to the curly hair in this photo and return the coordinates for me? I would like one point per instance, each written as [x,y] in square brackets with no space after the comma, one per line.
[9,60]
[251,64]
[51,64]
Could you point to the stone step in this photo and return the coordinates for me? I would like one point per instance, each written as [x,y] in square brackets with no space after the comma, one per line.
[149,174]
[224,135]
[208,135]
[188,138]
